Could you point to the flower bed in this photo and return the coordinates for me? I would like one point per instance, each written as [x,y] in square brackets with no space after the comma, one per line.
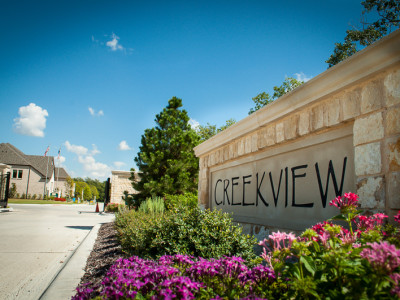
[60,199]
[327,261]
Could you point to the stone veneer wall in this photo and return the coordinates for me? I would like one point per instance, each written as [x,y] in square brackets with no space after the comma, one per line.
[120,182]
[363,92]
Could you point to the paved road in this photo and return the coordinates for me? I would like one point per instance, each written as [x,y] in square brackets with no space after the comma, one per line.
[34,242]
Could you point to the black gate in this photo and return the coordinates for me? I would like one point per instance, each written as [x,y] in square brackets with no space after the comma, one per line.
[4,188]
[107,193]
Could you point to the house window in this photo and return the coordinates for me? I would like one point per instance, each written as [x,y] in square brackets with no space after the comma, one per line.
[17,174]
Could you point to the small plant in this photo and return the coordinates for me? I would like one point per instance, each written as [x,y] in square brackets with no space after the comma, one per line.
[12,193]
[152,206]
[17,195]
[34,196]
[40,196]
[113,207]
[23,196]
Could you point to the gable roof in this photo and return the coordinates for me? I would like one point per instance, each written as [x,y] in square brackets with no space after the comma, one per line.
[13,156]
[60,173]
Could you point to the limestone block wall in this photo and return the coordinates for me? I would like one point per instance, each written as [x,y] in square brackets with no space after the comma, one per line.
[361,93]
[120,182]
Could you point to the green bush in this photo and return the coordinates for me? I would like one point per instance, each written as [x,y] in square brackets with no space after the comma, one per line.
[114,207]
[23,196]
[186,200]
[152,206]
[197,232]
[17,196]
[34,196]
[13,191]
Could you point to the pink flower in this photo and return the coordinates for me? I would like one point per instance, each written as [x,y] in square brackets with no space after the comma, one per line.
[348,201]
[397,217]
[379,218]
[396,279]
[382,256]
[279,239]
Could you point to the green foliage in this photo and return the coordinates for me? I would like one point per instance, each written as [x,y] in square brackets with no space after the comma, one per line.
[357,38]
[188,200]
[129,200]
[166,160]
[34,196]
[195,232]
[83,186]
[263,98]
[153,205]
[208,131]
[114,207]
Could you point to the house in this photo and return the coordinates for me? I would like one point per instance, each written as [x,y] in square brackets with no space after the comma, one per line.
[32,174]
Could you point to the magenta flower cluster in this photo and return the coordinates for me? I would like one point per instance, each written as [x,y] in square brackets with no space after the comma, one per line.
[348,201]
[177,277]
[397,217]
[382,256]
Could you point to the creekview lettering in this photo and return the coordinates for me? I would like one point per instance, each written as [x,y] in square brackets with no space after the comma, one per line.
[224,186]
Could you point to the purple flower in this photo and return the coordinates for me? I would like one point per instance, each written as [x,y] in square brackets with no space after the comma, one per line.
[382,256]
[397,217]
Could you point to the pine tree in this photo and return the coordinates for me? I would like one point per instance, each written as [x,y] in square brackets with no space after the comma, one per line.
[166,160]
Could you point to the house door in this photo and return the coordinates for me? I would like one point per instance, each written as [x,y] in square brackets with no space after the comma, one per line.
[4,188]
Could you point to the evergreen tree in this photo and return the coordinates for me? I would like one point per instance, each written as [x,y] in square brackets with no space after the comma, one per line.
[166,160]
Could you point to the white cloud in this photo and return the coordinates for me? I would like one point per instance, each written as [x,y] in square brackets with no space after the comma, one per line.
[194,124]
[78,150]
[31,120]
[302,77]
[61,160]
[119,164]
[123,146]
[114,43]
[95,169]
[93,112]
[94,150]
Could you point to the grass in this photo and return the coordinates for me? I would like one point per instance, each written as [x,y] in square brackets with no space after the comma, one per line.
[31,201]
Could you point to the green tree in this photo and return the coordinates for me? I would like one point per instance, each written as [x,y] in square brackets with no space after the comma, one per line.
[264,98]
[358,38]
[83,186]
[208,131]
[166,160]
[94,191]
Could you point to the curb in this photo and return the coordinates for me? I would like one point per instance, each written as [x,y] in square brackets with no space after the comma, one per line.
[8,209]
[68,277]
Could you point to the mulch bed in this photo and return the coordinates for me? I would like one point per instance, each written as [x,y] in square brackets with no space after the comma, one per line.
[106,251]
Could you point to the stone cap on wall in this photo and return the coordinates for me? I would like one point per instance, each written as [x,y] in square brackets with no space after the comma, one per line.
[363,64]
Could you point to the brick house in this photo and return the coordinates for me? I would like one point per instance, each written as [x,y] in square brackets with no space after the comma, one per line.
[32,174]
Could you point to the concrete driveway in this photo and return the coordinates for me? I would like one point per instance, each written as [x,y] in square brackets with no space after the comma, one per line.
[35,241]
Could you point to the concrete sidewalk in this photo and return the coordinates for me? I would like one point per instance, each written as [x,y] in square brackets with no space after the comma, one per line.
[67,279]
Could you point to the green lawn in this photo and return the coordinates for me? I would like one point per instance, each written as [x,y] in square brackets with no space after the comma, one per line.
[31,201]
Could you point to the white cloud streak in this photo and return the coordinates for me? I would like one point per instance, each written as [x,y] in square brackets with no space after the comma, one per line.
[94,113]
[78,150]
[302,77]
[119,164]
[114,43]
[194,124]
[31,120]
[123,146]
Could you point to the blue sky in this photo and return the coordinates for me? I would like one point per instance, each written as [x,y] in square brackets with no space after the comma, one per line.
[90,76]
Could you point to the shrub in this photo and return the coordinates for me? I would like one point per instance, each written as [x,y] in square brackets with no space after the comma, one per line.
[187,200]
[114,207]
[12,193]
[23,196]
[40,196]
[153,205]
[34,196]
[17,195]
[196,232]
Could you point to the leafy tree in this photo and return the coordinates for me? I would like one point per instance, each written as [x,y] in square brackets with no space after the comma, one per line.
[81,185]
[264,98]
[208,131]
[69,186]
[12,192]
[389,19]
[94,191]
[100,187]
[166,159]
